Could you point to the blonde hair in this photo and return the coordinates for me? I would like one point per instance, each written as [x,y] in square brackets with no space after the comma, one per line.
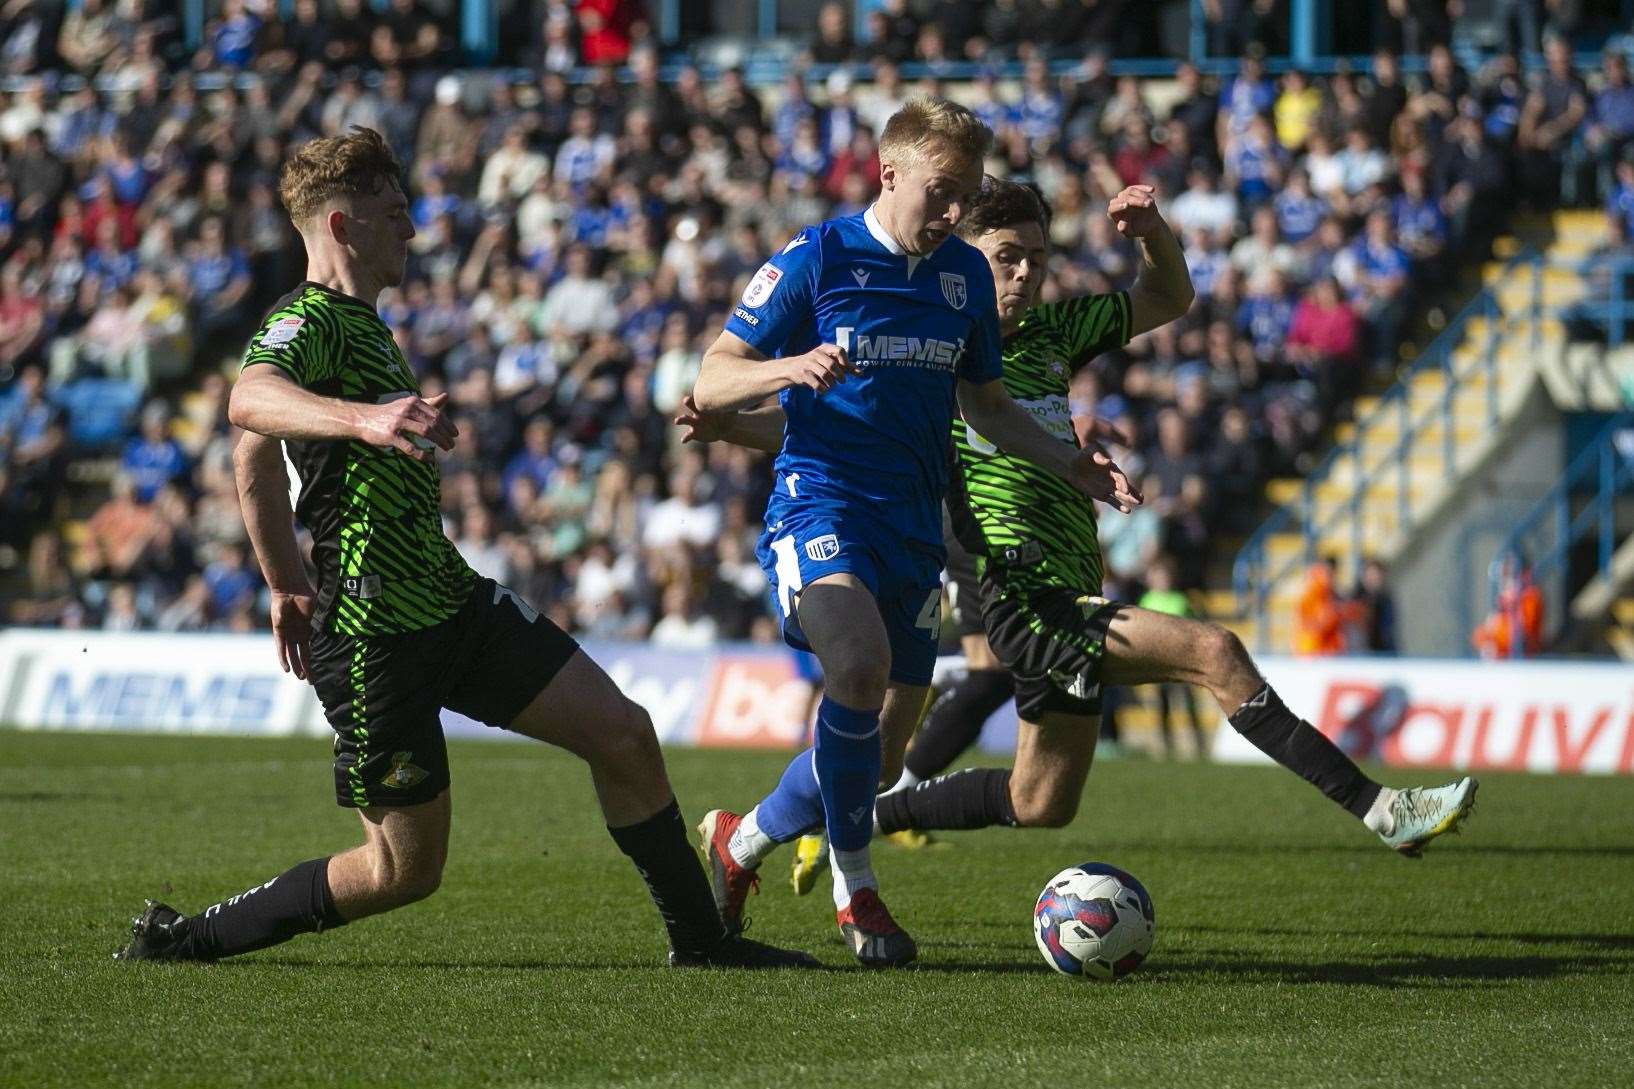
[357,164]
[937,130]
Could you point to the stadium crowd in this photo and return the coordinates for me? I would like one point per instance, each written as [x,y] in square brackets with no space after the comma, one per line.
[581,241]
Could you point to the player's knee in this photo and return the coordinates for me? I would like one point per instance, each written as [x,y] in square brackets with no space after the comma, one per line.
[1041,807]
[399,884]
[1221,653]
[857,681]
[628,737]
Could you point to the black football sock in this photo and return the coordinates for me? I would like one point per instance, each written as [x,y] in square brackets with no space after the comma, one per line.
[664,858]
[295,902]
[972,798]
[955,720]
[1304,750]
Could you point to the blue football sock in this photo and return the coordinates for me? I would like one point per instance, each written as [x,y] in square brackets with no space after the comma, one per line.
[794,806]
[847,762]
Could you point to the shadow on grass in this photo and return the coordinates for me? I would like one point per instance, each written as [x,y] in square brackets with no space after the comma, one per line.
[1462,847]
[1589,941]
[1413,970]
[374,964]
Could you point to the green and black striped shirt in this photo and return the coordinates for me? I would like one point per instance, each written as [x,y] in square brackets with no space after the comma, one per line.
[997,501]
[384,565]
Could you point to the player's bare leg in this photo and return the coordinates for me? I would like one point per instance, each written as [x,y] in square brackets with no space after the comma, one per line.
[832,785]
[399,862]
[1144,647]
[1053,758]
[584,712]
[904,709]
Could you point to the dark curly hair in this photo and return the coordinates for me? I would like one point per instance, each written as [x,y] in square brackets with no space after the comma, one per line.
[1000,204]
[359,163]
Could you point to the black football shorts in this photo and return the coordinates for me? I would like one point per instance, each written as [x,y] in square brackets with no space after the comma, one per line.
[1051,639]
[384,694]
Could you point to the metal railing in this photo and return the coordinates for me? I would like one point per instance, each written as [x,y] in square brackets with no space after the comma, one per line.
[1545,540]
[1254,575]
[1605,307]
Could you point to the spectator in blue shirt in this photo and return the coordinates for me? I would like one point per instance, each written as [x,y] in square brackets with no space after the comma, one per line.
[793,109]
[1381,285]
[434,200]
[1299,211]
[535,460]
[1254,164]
[1040,112]
[232,39]
[1611,118]
[1620,207]
[1265,314]
[1243,97]
[219,276]
[1421,226]
[153,459]
[230,580]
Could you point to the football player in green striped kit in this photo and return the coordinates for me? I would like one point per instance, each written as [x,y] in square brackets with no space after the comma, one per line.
[1039,564]
[400,627]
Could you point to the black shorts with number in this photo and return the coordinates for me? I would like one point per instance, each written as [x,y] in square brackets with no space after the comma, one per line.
[384,694]
[1051,639]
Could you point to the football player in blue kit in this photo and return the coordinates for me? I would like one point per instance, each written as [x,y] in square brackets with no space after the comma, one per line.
[870,331]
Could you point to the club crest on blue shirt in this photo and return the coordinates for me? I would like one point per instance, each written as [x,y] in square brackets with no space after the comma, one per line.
[953,289]
[821,549]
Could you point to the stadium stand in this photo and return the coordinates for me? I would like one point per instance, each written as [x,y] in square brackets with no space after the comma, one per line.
[585,223]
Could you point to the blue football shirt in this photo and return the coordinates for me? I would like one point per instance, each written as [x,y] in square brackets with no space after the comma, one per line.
[877,443]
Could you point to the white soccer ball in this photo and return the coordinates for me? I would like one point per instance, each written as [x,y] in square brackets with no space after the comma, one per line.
[1094,921]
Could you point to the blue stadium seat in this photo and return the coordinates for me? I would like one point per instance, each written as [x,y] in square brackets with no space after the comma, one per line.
[100,411]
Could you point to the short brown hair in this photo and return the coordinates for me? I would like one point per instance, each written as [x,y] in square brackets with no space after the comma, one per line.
[357,164]
[1001,203]
[934,127]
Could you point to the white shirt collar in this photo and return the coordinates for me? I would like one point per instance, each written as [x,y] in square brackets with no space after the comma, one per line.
[871,221]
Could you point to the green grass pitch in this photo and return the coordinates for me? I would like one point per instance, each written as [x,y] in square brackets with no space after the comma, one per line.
[1292,948]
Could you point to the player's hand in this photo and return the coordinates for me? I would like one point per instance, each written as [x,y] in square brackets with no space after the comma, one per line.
[1134,212]
[821,369]
[1092,430]
[698,426]
[1096,475]
[394,424]
[292,631]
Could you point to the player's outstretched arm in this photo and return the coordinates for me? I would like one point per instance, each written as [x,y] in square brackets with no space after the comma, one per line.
[757,428]
[263,495]
[988,407]
[735,375]
[265,401]
[1162,290]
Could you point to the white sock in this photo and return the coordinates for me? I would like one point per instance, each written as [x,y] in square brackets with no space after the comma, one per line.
[749,845]
[1378,814]
[851,872]
[908,781]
